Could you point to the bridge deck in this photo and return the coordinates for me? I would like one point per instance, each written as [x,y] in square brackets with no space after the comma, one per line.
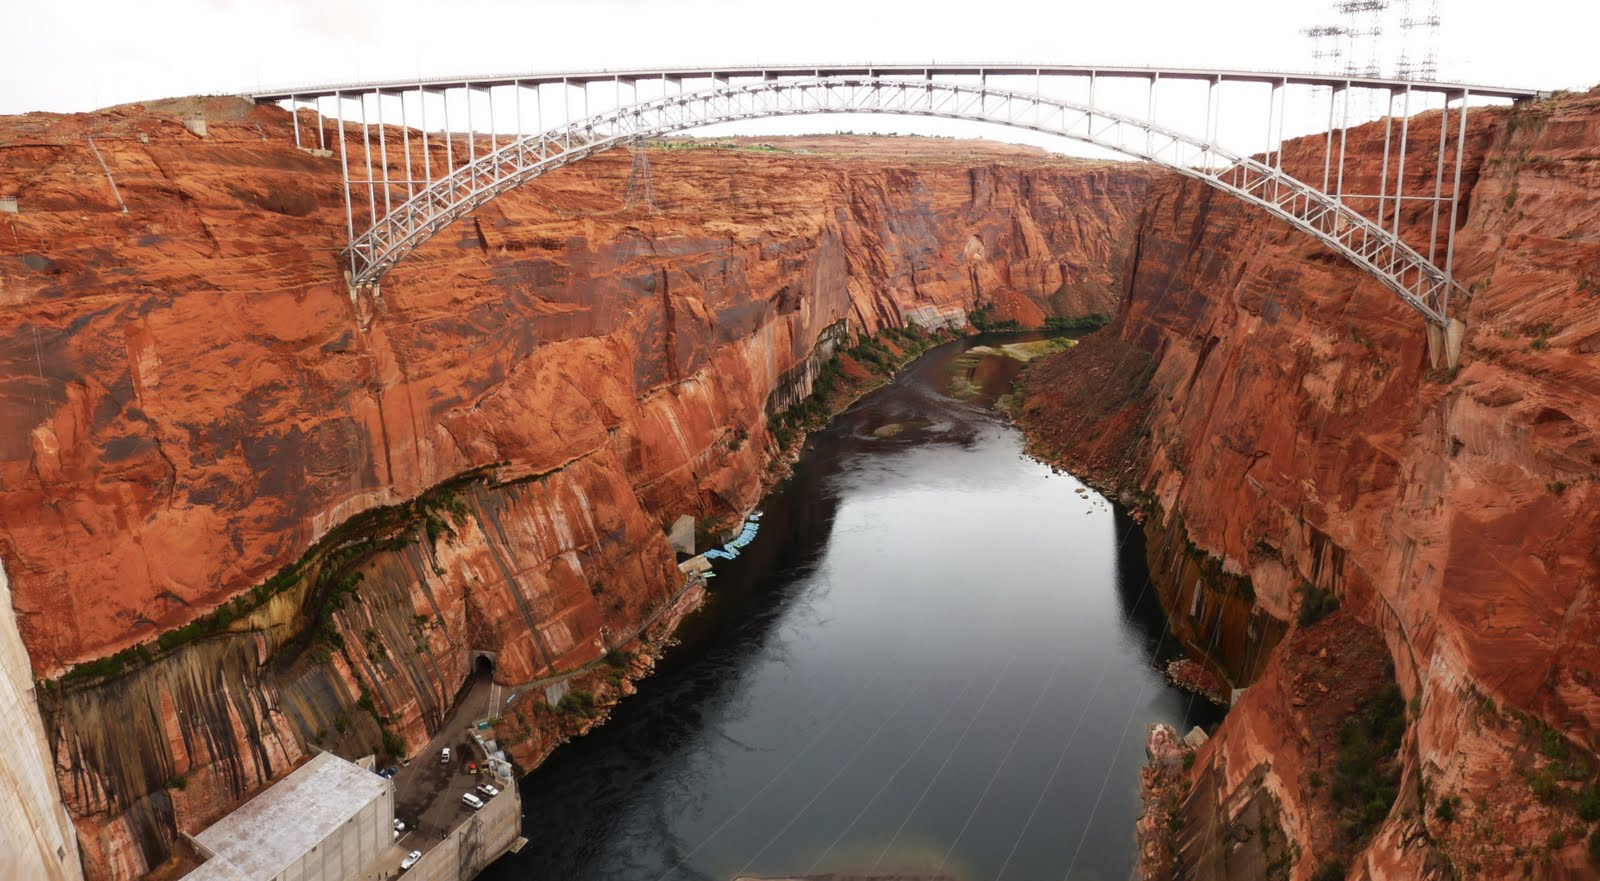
[674,74]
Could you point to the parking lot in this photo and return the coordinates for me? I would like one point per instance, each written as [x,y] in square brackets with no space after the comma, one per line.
[428,791]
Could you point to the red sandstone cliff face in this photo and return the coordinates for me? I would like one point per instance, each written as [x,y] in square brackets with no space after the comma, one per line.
[189,399]
[1291,425]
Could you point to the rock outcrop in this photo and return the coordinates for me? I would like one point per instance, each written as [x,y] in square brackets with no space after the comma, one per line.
[1276,406]
[246,514]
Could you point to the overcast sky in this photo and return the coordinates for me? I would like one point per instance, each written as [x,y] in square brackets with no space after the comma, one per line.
[73,55]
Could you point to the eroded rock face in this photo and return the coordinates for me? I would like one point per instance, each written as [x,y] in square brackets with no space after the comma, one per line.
[1291,424]
[190,399]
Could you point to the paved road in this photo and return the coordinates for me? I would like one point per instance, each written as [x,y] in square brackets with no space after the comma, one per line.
[692,580]
[427,792]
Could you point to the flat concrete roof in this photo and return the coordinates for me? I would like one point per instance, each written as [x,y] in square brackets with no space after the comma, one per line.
[216,870]
[265,835]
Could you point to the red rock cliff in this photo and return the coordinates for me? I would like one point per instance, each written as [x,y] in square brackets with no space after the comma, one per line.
[485,456]
[1286,422]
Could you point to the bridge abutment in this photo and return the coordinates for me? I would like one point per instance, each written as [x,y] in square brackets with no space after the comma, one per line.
[1444,343]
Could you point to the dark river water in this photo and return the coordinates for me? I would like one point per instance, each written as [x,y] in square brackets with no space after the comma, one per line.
[937,656]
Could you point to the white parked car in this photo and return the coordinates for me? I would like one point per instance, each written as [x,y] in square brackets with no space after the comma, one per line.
[471,801]
[488,790]
[399,825]
[410,860]
[444,756]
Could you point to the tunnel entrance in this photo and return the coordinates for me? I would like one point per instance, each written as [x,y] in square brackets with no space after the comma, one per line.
[483,665]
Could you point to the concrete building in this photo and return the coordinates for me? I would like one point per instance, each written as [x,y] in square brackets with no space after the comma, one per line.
[39,842]
[329,820]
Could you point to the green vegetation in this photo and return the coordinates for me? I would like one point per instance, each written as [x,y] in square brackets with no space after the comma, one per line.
[394,745]
[716,144]
[873,353]
[619,658]
[435,508]
[1442,375]
[1366,777]
[982,317]
[331,563]
[1210,570]
[1588,803]
[1268,549]
[178,781]
[1446,809]
[1315,604]
[576,702]
[1330,870]
[1092,321]
[1552,745]
[1544,784]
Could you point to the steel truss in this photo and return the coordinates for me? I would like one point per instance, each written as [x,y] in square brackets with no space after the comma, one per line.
[405,211]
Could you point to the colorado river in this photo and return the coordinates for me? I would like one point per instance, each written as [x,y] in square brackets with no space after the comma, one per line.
[936,657]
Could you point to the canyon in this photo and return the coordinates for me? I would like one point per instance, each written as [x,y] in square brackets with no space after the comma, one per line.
[245,516]
[1275,409]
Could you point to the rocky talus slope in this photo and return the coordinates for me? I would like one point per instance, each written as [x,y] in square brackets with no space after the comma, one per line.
[1273,409]
[245,515]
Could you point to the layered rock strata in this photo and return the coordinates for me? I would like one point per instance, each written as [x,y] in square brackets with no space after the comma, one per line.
[247,515]
[1277,406]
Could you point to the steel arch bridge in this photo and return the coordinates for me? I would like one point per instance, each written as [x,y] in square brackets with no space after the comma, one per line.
[391,209]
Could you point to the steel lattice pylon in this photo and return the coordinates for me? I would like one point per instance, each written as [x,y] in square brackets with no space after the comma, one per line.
[639,190]
[404,211]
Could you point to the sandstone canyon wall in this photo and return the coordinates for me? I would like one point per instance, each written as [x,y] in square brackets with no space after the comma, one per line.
[1269,404]
[246,515]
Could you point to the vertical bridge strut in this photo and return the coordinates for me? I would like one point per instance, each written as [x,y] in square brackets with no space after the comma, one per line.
[402,186]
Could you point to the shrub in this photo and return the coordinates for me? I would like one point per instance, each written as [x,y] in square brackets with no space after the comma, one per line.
[1589,803]
[1552,745]
[576,701]
[1544,786]
[982,318]
[1093,321]
[1316,604]
[1446,809]
[1330,870]
[1366,777]
[393,744]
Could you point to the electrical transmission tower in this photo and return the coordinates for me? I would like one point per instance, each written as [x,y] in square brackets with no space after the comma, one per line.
[1351,45]
[1327,49]
[639,192]
[1363,30]
[1419,28]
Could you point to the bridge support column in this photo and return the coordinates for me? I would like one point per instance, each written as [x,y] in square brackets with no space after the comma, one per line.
[1444,343]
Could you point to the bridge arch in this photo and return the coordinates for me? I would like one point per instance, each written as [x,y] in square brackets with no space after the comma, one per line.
[400,228]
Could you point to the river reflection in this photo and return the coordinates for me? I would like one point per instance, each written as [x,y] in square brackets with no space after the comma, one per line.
[937,656]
